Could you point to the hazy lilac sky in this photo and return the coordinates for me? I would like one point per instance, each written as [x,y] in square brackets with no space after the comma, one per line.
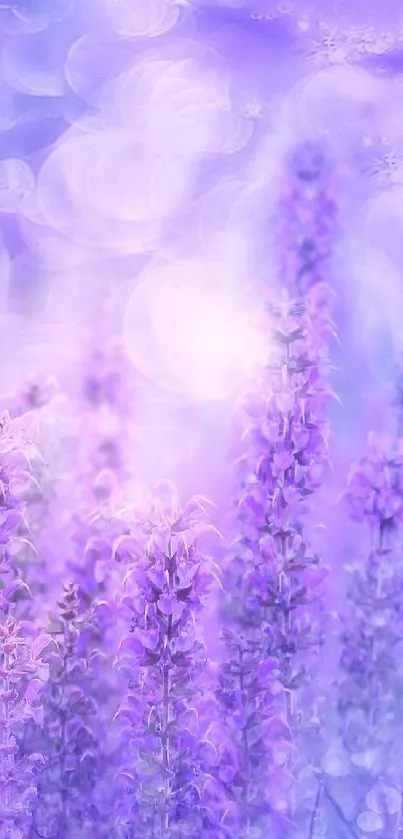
[141,154]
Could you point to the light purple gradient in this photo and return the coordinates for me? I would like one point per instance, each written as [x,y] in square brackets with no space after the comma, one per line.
[135,139]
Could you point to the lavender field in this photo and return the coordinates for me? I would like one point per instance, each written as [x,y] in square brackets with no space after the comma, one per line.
[201,410]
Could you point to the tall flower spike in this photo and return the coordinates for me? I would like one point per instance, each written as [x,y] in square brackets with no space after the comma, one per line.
[274,581]
[107,401]
[39,495]
[22,671]
[21,677]
[307,215]
[103,462]
[371,672]
[167,717]
[66,805]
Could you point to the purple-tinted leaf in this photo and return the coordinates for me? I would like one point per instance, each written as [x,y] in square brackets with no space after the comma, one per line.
[97,547]
[209,753]
[283,460]
[129,644]
[277,728]
[165,541]
[106,613]
[127,547]
[157,578]
[268,668]
[185,641]
[149,640]
[168,605]
[40,643]
[33,690]
[130,712]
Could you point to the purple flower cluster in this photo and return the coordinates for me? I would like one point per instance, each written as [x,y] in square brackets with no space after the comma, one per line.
[369,706]
[105,396]
[274,580]
[168,743]
[21,678]
[22,672]
[175,688]
[69,738]
[307,215]
[167,716]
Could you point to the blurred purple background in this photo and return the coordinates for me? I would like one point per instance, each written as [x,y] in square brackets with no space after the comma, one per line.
[142,152]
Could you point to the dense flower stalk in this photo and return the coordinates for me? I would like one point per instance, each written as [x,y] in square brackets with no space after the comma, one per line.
[370,666]
[307,220]
[36,561]
[102,464]
[107,403]
[168,713]
[66,801]
[21,680]
[84,520]
[274,580]
[22,672]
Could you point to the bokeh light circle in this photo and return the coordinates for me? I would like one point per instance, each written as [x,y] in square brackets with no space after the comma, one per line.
[203,341]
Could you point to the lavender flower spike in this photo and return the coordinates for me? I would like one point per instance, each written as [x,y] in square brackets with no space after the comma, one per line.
[167,716]
[66,802]
[307,215]
[273,584]
[369,691]
[22,672]
[21,678]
